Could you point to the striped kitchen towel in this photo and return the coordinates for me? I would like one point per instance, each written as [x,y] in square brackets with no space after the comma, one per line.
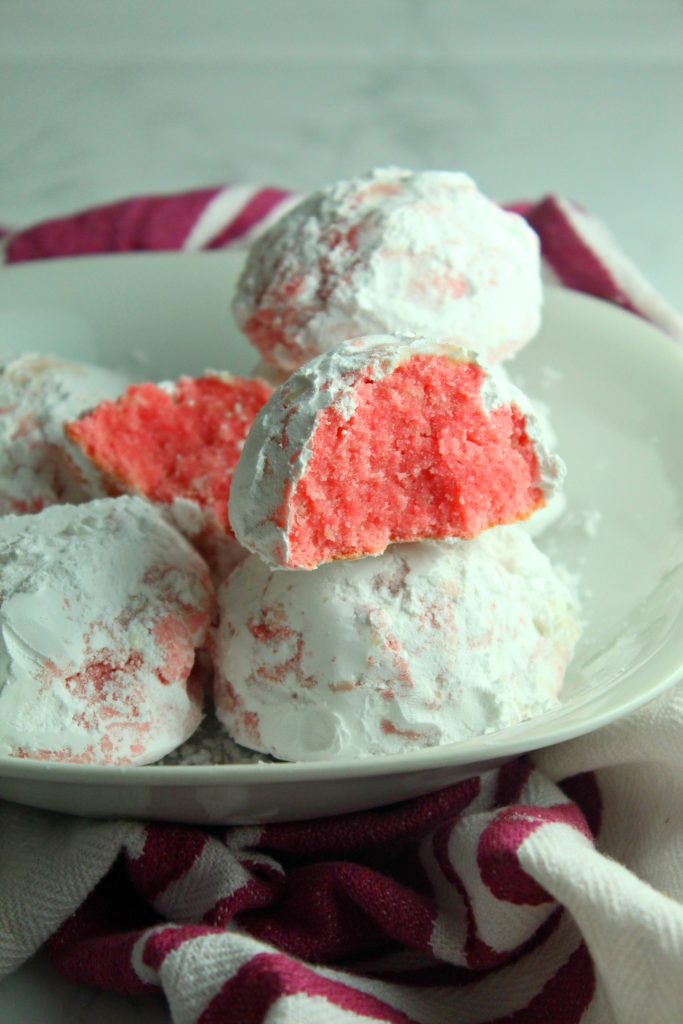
[496,901]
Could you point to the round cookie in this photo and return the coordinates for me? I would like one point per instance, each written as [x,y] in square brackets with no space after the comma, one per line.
[384,439]
[393,251]
[427,644]
[103,607]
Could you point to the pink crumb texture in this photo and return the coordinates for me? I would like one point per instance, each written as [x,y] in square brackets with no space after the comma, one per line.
[179,443]
[419,458]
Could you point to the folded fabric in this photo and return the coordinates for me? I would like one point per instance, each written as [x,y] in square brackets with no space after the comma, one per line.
[485,902]
[548,890]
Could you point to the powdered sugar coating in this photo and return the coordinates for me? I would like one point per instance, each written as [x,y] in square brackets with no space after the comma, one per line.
[38,465]
[103,605]
[220,551]
[550,513]
[397,251]
[278,449]
[427,644]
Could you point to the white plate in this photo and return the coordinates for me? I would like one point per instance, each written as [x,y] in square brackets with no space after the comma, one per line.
[615,388]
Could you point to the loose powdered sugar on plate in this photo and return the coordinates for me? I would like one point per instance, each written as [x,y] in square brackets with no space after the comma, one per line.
[211,744]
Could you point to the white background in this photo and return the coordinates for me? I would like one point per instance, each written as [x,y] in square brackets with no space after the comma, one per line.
[105,99]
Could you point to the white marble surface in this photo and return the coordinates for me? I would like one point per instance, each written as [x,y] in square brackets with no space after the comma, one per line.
[579,96]
[101,99]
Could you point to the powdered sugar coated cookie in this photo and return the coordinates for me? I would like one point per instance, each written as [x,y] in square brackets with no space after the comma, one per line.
[383,439]
[103,606]
[427,644]
[393,251]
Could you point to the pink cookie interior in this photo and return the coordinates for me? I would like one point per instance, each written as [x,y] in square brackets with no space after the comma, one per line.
[180,444]
[419,458]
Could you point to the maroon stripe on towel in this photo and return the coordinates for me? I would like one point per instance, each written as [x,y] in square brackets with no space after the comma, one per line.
[155,223]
